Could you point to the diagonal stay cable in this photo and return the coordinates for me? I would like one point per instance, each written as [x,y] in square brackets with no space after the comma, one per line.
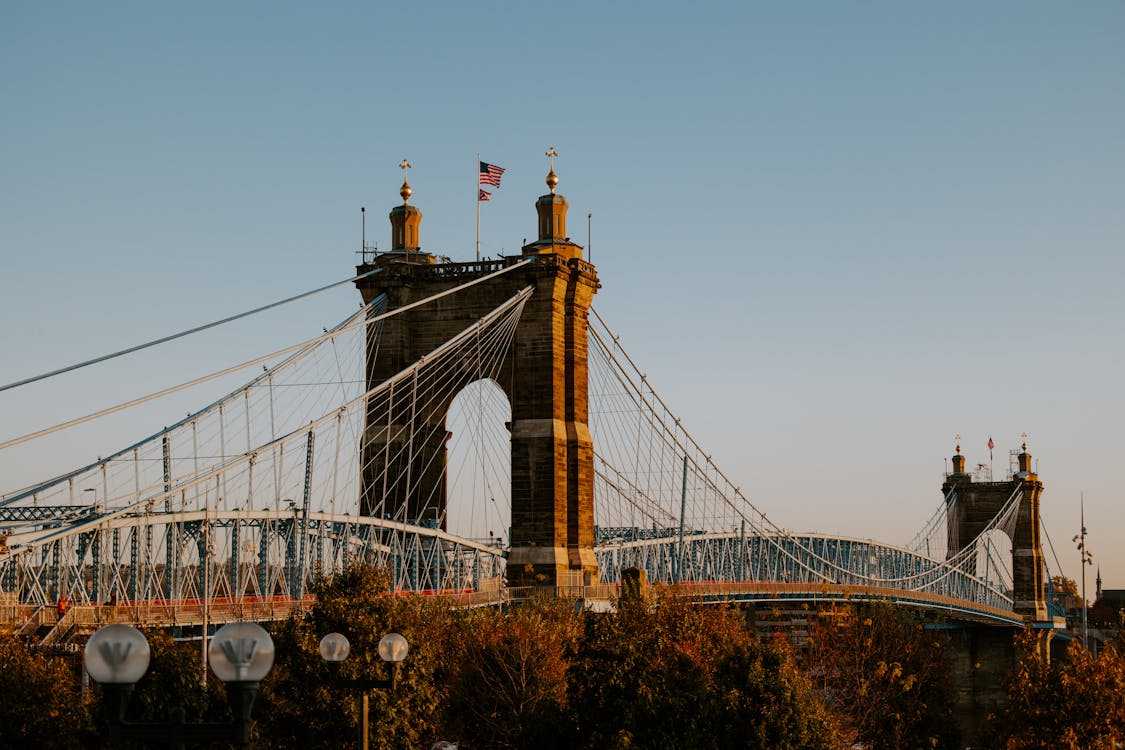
[298,434]
[761,527]
[252,362]
[181,334]
[293,359]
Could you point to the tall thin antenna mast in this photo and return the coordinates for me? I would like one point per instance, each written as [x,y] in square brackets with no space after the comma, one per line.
[362,232]
[589,245]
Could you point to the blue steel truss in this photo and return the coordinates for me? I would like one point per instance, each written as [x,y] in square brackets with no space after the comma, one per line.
[812,559]
[231,555]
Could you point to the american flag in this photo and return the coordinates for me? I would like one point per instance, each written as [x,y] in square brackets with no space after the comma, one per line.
[490,174]
[484,195]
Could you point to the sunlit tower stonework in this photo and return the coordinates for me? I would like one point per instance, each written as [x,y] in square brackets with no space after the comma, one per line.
[973,505]
[544,376]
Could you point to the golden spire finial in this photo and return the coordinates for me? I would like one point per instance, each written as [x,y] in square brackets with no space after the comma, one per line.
[958,439]
[405,190]
[1024,446]
[552,178]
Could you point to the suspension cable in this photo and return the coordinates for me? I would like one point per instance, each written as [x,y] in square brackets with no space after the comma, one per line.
[765,526]
[509,308]
[1043,526]
[249,363]
[181,334]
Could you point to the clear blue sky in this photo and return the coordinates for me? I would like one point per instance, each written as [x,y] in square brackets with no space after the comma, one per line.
[834,234]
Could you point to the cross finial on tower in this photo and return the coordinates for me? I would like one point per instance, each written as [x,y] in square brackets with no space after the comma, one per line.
[405,190]
[552,178]
[1024,436]
[958,439]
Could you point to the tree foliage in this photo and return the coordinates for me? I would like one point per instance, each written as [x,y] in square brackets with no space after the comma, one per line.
[884,676]
[539,674]
[1076,703]
[1108,612]
[1064,586]
[41,704]
[303,704]
[663,672]
[678,674]
[171,681]
[174,679]
[508,686]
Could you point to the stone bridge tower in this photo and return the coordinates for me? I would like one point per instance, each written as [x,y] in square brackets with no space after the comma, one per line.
[544,377]
[972,504]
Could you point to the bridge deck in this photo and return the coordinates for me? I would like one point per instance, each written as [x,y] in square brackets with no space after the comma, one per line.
[81,620]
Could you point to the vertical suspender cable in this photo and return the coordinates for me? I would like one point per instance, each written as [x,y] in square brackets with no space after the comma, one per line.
[678,563]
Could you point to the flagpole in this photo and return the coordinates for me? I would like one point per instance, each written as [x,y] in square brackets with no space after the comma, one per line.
[478,206]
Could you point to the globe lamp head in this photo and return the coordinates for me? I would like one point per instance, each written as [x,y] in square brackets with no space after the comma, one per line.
[241,652]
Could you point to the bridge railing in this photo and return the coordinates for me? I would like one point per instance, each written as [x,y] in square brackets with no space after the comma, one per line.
[84,619]
[780,591]
[774,591]
[595,591]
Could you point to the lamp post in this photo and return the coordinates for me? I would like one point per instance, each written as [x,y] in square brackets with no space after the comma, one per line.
[241,654]
[334,649]
[1086,557]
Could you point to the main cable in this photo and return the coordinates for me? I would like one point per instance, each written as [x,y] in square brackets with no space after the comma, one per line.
[255,361]
[181,334]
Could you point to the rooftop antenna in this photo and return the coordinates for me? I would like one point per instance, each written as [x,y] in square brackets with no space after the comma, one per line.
[364,250]
[589,246]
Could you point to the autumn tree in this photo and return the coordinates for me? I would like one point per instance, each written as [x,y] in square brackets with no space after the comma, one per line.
[541,673]
[304,705]
[1075,703]
[173,679]
[509,675]
[761,700]
[41,705]
[1064,586]
[1108,612]
[674,673]
[1066,591]
[171,682]
[884,676]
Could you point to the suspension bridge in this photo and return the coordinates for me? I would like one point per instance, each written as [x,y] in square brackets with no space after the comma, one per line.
[478,430]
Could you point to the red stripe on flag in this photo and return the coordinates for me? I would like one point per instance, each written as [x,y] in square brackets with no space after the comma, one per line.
[490,174]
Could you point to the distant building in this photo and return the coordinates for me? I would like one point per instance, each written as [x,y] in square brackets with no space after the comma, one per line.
[1109,607]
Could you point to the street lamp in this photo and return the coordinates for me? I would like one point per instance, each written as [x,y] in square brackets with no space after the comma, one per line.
[241,654]
[1086,557]
[334,649]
